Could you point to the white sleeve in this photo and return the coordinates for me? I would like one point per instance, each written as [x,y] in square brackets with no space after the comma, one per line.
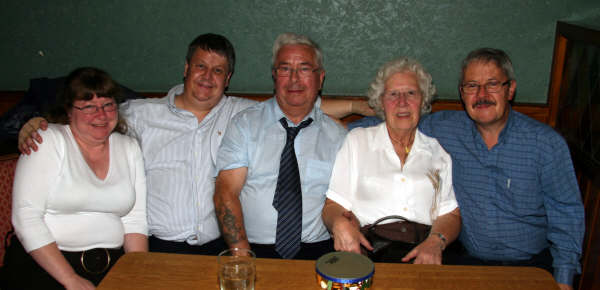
[35,178]
[135,221]
[342,185]
[448,200]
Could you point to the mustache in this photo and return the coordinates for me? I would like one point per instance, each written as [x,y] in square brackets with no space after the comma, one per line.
[484,102]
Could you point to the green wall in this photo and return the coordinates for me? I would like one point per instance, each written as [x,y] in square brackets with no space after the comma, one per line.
[143,43]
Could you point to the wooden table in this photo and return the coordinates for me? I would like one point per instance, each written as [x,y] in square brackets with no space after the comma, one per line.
[172,271]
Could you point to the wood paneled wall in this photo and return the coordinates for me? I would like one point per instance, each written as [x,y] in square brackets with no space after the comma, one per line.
[540,112]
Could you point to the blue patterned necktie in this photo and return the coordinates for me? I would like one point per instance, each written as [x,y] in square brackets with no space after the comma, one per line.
[288,196]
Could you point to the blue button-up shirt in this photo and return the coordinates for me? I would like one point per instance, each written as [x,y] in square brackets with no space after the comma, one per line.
[517,198]
[255,139]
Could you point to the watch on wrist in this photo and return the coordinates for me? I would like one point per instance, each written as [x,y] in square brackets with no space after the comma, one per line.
[442,238]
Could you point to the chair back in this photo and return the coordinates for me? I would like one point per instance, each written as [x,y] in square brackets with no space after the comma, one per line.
[8,163]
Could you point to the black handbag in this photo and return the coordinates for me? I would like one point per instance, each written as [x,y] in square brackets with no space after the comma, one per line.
[392,241]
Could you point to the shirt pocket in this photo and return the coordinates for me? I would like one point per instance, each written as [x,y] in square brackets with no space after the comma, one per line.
[523,194]
[261,160]
[317,175]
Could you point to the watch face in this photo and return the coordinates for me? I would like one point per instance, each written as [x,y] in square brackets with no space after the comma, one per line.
[442,239]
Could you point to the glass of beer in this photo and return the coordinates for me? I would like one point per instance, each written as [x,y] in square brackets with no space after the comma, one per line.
[236,269]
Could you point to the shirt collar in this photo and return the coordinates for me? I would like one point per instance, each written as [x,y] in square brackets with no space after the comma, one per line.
[503,134]
[509,124]
[174,91]
[178,90]
[386,144]
[278,114]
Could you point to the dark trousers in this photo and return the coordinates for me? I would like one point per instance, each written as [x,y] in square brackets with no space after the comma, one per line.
[213,247]
[21,271]
[308,251]
[541,260]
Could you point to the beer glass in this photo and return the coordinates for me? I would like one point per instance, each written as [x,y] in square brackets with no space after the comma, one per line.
[236,269]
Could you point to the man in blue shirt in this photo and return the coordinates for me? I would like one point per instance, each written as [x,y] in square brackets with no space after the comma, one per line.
[513,176]
[249,162]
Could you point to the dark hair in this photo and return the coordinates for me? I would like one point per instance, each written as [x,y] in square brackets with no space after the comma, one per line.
[485,54]
[213,43]
[82,84]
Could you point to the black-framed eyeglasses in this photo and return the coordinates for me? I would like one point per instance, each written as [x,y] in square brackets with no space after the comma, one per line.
[303,71]
[91,109]
[490,87]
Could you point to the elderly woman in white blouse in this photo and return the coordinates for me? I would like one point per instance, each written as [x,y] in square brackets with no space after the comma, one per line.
[394,169]
[80,201]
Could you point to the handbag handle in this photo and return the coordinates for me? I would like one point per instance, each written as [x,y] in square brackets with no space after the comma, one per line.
[389,217]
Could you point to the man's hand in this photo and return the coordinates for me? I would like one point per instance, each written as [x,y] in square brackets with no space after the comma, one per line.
[564,286]
[29,133]
[428,252]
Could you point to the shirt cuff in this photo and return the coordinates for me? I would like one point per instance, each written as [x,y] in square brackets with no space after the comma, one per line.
[564,275]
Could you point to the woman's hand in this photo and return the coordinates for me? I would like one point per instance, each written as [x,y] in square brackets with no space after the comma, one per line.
[344,228]
[52,260]
[77,282]
[430,250]
[346,236]
[427,252]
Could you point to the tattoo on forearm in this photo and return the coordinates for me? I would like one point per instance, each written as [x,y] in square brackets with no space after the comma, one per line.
[230,227]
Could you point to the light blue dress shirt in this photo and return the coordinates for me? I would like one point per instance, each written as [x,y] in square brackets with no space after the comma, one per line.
[180,159]
[255,139]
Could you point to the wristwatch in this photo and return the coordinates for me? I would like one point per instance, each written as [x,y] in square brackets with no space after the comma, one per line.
[442,238]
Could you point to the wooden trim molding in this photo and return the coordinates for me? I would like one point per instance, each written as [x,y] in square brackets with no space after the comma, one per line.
[573,113]
[556,77]
[9,99]
[540,112]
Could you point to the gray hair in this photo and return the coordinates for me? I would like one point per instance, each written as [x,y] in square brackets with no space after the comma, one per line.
[377,87]
[289,38]
[486,55]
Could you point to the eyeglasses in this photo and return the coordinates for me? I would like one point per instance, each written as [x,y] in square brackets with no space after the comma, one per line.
[393,96]
[490,87]
[91,109]
[303,71]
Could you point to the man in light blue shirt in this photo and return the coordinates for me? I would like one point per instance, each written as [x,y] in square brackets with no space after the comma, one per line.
[249,157]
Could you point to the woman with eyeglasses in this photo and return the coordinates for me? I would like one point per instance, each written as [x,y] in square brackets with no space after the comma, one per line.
[394,169]
[80,202]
